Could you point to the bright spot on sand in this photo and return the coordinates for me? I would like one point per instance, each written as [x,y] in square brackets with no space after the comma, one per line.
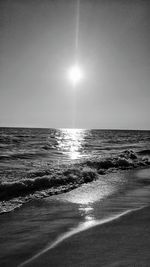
[75,74]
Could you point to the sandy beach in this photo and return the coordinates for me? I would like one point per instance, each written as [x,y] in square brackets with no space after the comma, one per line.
[121,242]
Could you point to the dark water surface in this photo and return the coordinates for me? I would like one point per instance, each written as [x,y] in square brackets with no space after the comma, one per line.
[38,163]
[21,146]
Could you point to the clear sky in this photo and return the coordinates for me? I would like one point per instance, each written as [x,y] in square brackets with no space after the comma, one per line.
[37,48]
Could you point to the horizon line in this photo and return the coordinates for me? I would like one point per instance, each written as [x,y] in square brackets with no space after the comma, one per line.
[69,128]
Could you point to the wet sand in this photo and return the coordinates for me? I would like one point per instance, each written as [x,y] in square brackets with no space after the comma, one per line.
[121,242]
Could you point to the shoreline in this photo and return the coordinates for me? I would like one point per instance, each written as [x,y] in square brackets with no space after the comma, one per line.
[95,244]
[39,224]
[53,192]
[41,185]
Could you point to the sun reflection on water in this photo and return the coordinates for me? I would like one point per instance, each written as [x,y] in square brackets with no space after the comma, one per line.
[87,212]
[70,142]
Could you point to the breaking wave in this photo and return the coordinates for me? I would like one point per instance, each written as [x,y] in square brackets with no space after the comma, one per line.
[69,176]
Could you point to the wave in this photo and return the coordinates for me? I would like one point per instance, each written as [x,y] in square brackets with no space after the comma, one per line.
[127,159]
[27,186]
[144,152]
[23,155]
[70,175]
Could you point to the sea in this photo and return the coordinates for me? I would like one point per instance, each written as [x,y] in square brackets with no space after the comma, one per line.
[57,182]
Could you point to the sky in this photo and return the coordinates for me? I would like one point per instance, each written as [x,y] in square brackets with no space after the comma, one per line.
[38,47]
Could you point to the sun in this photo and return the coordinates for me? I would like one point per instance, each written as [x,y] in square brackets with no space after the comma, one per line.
[75,74]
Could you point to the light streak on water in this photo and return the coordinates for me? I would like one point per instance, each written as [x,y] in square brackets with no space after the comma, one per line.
[70,142]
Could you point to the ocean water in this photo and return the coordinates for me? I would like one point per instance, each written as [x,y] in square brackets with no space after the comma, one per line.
[108,170]
[36,163]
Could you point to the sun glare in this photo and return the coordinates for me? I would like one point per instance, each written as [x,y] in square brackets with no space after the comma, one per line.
[75,74]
